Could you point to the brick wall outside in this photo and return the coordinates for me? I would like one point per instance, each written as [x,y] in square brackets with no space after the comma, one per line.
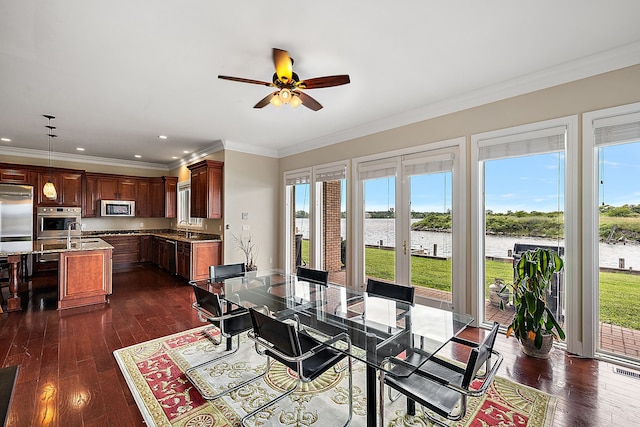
[331,226]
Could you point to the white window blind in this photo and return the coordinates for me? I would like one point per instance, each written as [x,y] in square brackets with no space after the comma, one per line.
[377,169]
[417,165]
[541,141]
[295,178]
[617,130]
[331,173]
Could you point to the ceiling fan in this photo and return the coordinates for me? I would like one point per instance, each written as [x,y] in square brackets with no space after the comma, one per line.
[289,84]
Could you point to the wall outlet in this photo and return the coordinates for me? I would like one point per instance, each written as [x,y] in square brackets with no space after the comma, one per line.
[83,226]
[142,224]
[219,228]
[270,260]
[245,215]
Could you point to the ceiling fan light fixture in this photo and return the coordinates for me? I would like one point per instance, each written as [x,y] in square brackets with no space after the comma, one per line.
[285,95]
[276,101]
[295,101]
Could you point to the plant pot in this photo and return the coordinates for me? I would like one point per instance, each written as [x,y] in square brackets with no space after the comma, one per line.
[528,347]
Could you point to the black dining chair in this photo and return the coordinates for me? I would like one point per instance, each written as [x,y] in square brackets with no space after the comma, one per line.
[392,291]
[218,273]
[442,386]
[298,351]
[231,323]
[315,276]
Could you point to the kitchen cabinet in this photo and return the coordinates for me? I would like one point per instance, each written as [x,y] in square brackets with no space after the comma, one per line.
[183,260]
[68,187]
[146,248]
[206,189]
[163,197]
[203,255]
[84,278]
[90,198]
[117,188]
[143,199]
[126,250]
[13,175]
[167,251]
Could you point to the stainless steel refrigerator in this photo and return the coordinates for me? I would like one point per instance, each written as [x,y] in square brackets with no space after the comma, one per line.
[16,217]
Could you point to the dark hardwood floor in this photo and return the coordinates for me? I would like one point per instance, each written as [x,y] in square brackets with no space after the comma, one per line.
[69,377]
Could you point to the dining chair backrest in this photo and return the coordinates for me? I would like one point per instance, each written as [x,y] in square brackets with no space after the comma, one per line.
[208,301]
[281,335]
[316,276]
[392,291]
[479,356]
[218,273]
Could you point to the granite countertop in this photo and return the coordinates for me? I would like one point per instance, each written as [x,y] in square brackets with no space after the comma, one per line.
[166,234]
[53,246]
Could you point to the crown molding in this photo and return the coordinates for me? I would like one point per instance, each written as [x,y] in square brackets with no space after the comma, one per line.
[217,145]
[581,68]
[251,149]
[79,158]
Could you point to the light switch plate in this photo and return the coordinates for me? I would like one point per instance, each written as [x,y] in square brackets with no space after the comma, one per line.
[245,227]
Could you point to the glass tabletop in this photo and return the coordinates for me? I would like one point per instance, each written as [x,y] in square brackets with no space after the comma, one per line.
[380,330]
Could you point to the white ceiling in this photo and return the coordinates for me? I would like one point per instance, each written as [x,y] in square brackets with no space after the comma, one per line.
[117,74]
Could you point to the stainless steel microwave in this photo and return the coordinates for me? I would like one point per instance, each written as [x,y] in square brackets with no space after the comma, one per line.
[117,208]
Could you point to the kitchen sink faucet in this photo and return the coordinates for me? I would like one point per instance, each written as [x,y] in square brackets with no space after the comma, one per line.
[186,229]
[69,227]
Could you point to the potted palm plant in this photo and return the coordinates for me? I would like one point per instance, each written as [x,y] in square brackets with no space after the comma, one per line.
[533,323]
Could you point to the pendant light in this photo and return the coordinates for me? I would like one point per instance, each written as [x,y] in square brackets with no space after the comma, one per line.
[49,190]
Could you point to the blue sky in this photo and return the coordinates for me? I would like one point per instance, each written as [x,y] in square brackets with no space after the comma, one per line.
[521,183]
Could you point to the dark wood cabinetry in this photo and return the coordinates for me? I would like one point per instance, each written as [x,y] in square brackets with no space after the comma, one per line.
[146,247]
[206,189]
[184,260]
[126,250]
[155,197]
[68,187]
[12,175]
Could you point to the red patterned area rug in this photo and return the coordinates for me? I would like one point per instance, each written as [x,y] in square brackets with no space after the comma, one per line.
[154,371]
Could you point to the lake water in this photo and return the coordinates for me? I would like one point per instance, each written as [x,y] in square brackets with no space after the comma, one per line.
[377,230]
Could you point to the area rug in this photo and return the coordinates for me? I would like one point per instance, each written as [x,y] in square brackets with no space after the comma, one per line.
[154,371]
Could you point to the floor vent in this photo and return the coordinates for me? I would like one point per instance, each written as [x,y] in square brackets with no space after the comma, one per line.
[627,373]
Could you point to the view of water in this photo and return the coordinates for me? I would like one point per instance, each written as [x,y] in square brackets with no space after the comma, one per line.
[377,230]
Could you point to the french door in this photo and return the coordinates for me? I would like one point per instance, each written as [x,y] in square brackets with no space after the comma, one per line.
[407,223]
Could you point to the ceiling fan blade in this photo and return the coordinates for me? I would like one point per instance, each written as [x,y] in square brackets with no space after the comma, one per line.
[266,100]
[243,80]
[308,101]
[284,65]
[327,81]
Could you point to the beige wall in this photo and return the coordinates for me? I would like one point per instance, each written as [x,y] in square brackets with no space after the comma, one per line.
[251,186]
[602,91]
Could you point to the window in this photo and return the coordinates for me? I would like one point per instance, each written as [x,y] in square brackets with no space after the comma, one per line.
[523,198]
[184,207]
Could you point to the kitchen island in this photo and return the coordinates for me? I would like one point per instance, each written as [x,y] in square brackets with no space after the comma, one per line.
[84,270]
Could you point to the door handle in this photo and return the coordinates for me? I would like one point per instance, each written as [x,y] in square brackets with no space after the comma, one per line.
[404,247]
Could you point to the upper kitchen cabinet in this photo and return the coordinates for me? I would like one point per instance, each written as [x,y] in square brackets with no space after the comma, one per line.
[163,197]
[206,189]
[113,187]
[68,187]
[10,174]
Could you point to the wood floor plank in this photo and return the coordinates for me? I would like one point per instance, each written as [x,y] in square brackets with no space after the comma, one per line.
[75,380]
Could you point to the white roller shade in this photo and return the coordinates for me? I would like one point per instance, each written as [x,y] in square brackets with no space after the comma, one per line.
[377,169]
[299,177]
[417,165]
[617,130]
[542,141]
[331,173]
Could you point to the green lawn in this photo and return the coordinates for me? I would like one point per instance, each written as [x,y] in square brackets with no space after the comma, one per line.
[619,292]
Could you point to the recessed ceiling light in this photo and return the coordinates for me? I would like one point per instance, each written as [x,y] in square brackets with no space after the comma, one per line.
[174,157]
[162,136]
[137,156]
[186,151]
[79,148]
[5,139]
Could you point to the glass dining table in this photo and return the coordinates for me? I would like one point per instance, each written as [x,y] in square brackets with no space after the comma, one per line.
[385,334]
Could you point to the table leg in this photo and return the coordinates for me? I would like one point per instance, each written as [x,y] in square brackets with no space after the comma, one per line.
[13,303]
[372,407]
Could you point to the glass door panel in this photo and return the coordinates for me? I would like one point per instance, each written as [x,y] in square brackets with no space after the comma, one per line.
[619,249]
[379,228]
[430,232]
